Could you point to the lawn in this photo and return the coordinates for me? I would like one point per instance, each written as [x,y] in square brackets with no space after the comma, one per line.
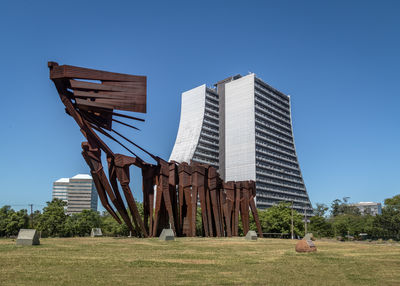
[196,261]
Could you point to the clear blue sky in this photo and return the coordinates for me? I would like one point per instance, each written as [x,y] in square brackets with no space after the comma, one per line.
[339,61]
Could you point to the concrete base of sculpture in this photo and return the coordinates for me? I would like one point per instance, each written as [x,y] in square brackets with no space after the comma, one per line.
[305,246]
[96,232]
[167,234]
[251,235]
[28,237]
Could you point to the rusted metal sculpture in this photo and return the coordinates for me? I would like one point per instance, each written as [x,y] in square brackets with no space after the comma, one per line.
[171,190]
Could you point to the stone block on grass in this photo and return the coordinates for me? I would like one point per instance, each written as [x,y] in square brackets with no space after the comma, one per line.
[251,235]
[96,232]
[28,237]
[167,234]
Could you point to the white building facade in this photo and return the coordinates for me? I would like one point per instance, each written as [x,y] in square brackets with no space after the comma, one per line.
[60,189]
[254,135]
[198,133]
[78,192]
[370,208]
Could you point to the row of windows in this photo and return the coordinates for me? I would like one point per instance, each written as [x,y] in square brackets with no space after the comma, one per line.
[71,185]
[212,107]
[211,120]
[213,95]
[211,126]
[268,180]
[206,153]
[274,126]
[211,100]
[259,83]
[266,171]
[295,193]
[213,147]
[267,131]
[268,187]
[202,159]
[208,139]
[278,168]
[212,115]
[267,103]
[272,119]
[207,150]
[282,197]
[291,159]
[267,158]
[273,139]
[278,104]
[297,206]
[276,147]
[212,134]
[266,109]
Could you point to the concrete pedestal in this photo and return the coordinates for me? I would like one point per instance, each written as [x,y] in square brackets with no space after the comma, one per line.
[251,235]
[28,237]
[167,234]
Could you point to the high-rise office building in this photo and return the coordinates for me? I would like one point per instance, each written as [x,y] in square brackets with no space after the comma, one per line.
[243,127]
[79,192]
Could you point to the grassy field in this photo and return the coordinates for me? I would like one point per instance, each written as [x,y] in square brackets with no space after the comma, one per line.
[196,261]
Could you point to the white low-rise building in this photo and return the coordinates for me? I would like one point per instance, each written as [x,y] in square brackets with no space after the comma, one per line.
[369,208]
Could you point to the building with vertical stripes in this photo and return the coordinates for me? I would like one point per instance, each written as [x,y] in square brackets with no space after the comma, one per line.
[243,127]
[79,192]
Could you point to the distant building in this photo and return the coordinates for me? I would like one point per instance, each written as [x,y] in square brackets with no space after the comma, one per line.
[369,208]
[60,189]
[243,127]
[78,192]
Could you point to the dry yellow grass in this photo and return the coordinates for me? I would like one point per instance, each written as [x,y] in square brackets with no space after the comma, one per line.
[196,261]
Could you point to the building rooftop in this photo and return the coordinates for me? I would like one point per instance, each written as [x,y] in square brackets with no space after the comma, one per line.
[82,176]
[63,180]
[366,203]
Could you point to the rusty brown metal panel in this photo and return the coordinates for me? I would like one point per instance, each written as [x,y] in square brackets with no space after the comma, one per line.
[237,209]
[66,71]
[173,182]
[164,183]
[212,185]
[252,186]
[244,206]
[199,183]
[229,188]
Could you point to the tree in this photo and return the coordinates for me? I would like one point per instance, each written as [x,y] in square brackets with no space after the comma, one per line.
[340,207]
[321,210]
[81,224]
[387,225]
[350,224]
[321,226]
[52,221]
[111,227]
[393,202]
[11,221]
[4,213]
[277,219]
[35,218]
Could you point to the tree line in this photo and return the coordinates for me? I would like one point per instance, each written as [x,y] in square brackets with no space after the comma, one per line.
[345,221]
[340,220]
